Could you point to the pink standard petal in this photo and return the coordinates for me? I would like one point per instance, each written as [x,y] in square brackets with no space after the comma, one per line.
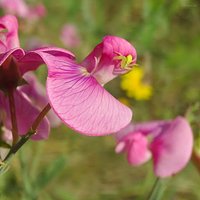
[80,101]
[10,36]
[172,149]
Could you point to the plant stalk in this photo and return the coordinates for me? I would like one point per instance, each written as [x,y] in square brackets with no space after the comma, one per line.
[31,132]
[13,116]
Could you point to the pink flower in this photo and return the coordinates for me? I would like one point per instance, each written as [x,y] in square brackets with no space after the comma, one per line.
[14,63]
[75,90]
[21,9]
[169,143]
[69,36]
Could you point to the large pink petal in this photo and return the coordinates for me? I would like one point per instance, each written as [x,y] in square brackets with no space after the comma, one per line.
[172,148]
[26,113]
[80,101]
[10,36]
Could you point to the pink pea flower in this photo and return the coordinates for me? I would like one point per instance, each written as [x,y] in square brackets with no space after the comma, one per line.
[76,91]
[69,36]
[169,143]
[14,63]
[21,9]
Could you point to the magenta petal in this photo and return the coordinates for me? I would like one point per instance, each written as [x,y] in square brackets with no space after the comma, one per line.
[172,149]
[17,53]
[32,60]
[137,150]
[101,62]
[152,127]
[105,51]
[10,36]
[26,114]
[80,101]
[86,106]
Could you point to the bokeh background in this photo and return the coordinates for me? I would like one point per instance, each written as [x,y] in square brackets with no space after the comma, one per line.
[69,166]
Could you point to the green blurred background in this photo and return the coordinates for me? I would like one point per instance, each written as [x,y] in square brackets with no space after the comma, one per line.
[69,166]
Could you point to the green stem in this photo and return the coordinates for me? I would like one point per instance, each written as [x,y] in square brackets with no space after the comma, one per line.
[154,189]
[31,132]
[13,116]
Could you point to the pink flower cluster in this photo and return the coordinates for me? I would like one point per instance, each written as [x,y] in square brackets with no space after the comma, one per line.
[168,143]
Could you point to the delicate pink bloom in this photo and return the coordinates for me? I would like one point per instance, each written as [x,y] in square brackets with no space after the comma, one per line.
[168,142]
[14,62]
[21,9]
[75,90]
[70,36]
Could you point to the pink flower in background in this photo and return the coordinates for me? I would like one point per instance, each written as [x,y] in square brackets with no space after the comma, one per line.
[70,36]
[169,143]
[75,90]
[14,63]
[21,9]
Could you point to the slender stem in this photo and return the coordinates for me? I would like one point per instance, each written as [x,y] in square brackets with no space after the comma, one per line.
[31,132]
[153,190]
[13,116]
[40,117]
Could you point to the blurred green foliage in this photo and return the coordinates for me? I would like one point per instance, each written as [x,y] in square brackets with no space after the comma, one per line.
[69,166]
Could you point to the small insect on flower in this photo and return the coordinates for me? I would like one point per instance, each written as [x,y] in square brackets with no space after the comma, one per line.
[76,91]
